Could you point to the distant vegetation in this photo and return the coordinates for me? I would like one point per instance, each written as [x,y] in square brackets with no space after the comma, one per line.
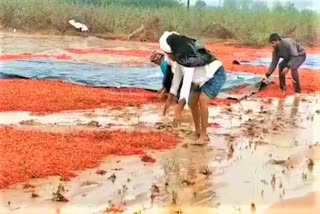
[129,3]
[247,21]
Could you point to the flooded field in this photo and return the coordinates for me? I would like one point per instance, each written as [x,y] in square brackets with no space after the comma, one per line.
[262,157]
[259,152]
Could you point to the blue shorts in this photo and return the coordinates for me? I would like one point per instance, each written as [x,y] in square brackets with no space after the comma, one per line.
[214,85]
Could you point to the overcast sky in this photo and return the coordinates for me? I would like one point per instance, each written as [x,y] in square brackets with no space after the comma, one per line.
[311,4]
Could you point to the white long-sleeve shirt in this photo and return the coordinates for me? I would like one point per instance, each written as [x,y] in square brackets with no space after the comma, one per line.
[198,76]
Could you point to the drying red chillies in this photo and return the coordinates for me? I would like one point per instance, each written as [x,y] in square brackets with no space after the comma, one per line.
[54,96]
[35,154]
[44,96]
[9,57]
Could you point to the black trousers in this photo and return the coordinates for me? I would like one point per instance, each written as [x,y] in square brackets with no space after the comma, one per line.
[296,63]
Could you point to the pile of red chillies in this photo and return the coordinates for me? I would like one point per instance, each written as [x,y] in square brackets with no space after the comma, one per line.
[35,154]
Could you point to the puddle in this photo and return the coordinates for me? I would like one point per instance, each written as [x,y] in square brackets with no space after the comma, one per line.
[36,47]
[105,118]
[210,179]
[49,44]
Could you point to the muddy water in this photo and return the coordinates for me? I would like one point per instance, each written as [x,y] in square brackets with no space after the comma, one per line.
[48,44]
[15,43]
[272,141]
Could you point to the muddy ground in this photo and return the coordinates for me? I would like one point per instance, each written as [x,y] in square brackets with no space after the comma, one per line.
[258,157]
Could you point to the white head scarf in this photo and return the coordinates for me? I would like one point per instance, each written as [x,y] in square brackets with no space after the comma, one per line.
[164,46]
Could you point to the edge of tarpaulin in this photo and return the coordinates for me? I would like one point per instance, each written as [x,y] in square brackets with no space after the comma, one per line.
[255,89]
[225,95]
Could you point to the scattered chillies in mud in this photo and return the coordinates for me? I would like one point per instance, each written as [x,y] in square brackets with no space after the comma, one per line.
[35,154]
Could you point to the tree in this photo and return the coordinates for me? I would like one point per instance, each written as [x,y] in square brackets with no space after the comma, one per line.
[201,4]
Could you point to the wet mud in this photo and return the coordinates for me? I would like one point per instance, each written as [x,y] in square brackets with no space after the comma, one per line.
[257,160]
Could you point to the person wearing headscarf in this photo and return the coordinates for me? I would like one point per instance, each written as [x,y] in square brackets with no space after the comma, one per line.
[202,76]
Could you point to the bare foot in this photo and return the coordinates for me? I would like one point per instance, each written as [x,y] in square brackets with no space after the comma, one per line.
[201,141]
[196,136]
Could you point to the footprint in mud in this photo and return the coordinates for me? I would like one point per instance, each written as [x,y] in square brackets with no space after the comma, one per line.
[90,124]
[112,178]
[29,123]
[58,196]
[34,195]
[101,172]
[90,114]
[148,159]
[89,184]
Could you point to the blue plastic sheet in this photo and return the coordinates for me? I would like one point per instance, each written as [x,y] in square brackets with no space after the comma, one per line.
[98,75]
[312,62]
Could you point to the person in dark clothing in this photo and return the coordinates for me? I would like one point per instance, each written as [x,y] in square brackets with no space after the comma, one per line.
[158,59]
[293,55]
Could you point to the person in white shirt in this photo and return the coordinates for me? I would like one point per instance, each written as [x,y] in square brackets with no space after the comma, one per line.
[202,75]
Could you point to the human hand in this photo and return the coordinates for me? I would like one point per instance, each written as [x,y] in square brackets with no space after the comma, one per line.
[161,93]
[265,77]
[166,108]
[168,104]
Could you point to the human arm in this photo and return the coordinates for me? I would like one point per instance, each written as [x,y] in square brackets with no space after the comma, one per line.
[167,78]
[184,93]
[186,84]
[274,63]
[186,78]
[177,77]
[293,52]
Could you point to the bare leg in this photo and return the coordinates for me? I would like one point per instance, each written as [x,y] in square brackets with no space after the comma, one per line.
[194,106]
[204,115]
